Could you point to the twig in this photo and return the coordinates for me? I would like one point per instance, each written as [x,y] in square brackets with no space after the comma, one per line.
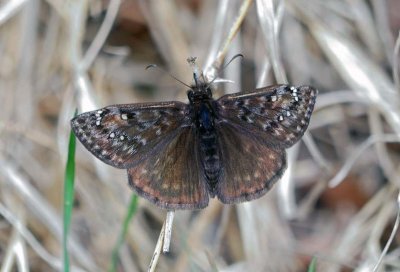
[102,34]
[337,179]
[9,8]
[31,240]
[164,240]
[168,230]
[270,18]
[396,76]
[16,253]
[157,250]
[390,240]
[232,33]
[43,211]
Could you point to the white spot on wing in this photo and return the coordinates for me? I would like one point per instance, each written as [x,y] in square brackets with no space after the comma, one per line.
[124,116]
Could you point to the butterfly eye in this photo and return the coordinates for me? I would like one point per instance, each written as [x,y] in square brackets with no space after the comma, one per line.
[209,93]
[190,95]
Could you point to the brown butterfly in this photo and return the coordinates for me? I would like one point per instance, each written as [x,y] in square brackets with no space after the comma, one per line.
[178,155]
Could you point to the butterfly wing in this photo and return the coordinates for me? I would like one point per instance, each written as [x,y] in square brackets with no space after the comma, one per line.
[249,167]
[172,178]
[277,115]
[123,135]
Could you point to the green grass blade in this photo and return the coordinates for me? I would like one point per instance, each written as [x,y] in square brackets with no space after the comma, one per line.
[68,196]
[313,265]
[121,237]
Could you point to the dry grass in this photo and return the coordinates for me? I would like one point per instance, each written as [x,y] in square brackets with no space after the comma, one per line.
[338,200]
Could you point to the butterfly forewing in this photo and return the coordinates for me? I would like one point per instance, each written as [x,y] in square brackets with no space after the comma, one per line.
[250,167]
[123,135]
[172,178]
[277,115]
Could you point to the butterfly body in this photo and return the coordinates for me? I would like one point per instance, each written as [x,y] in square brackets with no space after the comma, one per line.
[178,155]
[204,116]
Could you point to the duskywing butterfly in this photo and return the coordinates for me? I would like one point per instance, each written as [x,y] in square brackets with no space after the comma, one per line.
[177,154]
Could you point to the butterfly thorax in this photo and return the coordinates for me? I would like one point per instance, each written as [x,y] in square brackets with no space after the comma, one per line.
[204,116]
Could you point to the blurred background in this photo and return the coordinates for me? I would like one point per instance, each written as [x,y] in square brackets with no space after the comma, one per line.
[338,200]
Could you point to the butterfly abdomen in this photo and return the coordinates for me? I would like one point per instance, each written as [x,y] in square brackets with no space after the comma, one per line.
[209,154]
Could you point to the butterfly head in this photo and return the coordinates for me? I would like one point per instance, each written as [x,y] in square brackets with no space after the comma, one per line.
[199,92]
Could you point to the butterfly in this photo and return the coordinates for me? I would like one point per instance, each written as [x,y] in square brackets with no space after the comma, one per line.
[179,155]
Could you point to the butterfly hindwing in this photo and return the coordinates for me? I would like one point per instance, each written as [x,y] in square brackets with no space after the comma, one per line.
[172,178]
[277,115]
[250,167]
[122,135]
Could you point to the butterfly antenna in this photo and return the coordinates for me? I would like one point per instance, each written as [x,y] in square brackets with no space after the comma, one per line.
[164,71]
[226,65]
